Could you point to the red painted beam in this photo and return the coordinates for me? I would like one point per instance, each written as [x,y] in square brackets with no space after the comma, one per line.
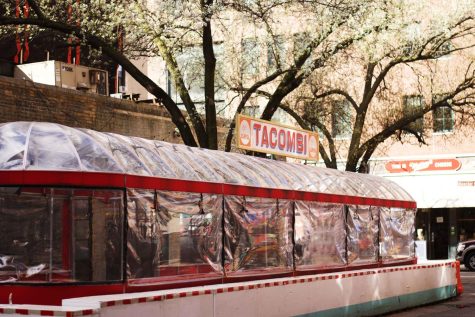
[113,180]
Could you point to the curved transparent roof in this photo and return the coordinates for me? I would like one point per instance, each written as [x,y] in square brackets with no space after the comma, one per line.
[50,146]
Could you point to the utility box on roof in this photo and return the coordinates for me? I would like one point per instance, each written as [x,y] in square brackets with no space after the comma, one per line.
[64,75]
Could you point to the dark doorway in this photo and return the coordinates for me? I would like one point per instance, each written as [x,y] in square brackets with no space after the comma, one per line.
[439,234]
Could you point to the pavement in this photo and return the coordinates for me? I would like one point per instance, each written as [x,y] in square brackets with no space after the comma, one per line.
[460,306]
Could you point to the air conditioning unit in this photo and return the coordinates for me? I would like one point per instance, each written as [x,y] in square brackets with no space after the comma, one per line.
[60,74]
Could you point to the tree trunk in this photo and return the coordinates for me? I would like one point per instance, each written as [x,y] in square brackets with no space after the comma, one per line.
[209,78]
[174,70]
[288,84]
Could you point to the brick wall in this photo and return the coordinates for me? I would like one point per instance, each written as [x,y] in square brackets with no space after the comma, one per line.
[22,100]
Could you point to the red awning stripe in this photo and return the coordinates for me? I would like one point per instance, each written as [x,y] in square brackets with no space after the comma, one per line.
[114,180]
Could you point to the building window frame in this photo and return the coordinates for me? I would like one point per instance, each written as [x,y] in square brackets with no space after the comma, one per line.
[276,52]
[442,118]
[412,103]
[341,119]
[250,56]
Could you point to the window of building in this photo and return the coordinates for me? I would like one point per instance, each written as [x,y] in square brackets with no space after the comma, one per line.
[171,87]
[250,56]
[301,41]
[443,118]
[251,111]
[412,48]
[412,35]
[275,53]
[341,119]
[413,104]
[191,64]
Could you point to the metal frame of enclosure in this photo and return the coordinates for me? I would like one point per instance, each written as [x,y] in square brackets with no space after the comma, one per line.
[85,213]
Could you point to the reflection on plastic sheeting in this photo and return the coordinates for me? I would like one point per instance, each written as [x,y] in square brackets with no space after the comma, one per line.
[12,145]
[319,235]
[258,234]
[173,233]
[145,150]
[143,238]
[43,155]
[25,236]
[69,235]
[397,234]
[60,235]
[362,239]
[93,157]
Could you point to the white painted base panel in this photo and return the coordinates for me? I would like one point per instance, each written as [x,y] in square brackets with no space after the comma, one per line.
[358,292]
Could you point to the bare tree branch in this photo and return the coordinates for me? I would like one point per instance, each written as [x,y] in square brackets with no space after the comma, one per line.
[337,92]
[98,43]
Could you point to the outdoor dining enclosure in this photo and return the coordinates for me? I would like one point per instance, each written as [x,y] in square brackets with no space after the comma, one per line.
[80,206]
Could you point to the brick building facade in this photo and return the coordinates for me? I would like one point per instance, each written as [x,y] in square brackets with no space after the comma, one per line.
[22,100]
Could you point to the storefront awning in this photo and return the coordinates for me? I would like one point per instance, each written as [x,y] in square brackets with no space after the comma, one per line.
[449,190]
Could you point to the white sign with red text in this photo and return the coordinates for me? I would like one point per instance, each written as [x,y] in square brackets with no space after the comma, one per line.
[427,165]
[268,137]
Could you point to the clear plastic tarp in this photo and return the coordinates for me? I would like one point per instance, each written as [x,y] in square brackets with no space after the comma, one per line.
[362,237]
[258,235]
[397,234]
[60,235]
[50,146]
[173,234]
[77,234]
[320,235]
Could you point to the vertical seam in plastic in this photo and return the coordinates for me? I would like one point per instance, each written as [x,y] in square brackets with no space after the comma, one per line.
[90,215]
[125,227]
[51,210]
[27,141]
[379,233]
[414,231]
[346,232]
[294,266]
[73,235]
[223,233]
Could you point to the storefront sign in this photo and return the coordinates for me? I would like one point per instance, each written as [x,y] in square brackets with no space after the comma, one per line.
[409,166]
[466,183]
[268,137]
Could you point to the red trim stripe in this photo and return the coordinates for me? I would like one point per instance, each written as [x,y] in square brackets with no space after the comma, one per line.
[113,180]
[278,283]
